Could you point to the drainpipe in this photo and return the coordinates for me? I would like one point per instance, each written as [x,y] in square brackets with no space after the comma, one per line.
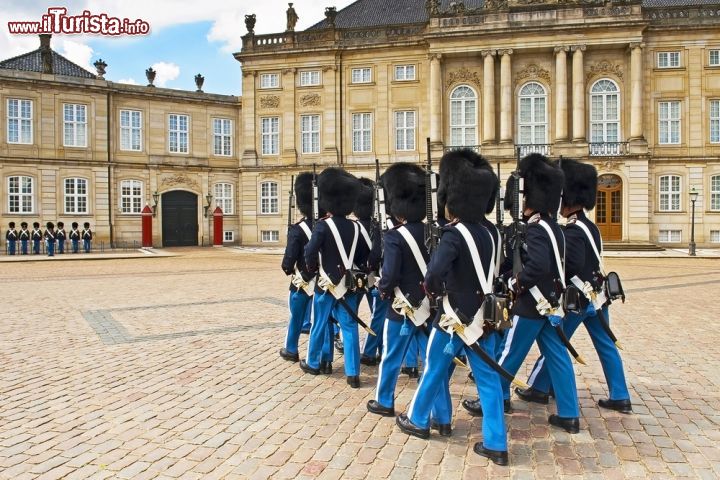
[109,169]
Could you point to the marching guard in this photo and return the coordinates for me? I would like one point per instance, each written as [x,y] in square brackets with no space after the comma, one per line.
[87,237]
[584,271]
[24,237]
[11,238]
[302,283]
[538,287]
[460,271]
[405,259]
[37,237]
[75,237]
[50,239]
[332,251]
[61,237]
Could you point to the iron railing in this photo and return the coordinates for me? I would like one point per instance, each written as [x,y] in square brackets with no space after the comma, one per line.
[528,148]
[608,149]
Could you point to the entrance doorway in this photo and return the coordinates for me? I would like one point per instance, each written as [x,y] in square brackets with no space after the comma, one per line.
[608,210]
[179,219]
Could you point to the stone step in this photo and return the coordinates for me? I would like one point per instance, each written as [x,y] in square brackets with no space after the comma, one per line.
[631,247]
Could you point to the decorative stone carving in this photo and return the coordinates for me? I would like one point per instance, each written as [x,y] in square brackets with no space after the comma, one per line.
[561,48]
[250,23]
[248,73]
[505,51]
[179,179]
[286,71]
[462,76]
[609,165]
[496,5]
[434,56]
[432,7]
[269,101]
[485,53]
[532,71]
[326,68]
[604,67]
[310,100]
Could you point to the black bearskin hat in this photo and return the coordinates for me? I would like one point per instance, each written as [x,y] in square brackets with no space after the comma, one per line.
[50,225]
[543,183]
[477,161]
[364,205]
[404,185]
[466,186]
[303,193]
[338,191]
[580,184]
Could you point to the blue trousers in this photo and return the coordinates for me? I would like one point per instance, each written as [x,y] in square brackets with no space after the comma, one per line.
[11,247]
[61,246]
[395,347]
[50,246]
[517,345]
[415,348]
[86,245]
[435,384]
[75,245]
[378,308]
[607,353]
[24,247]
[300,305]
[36,247]
[325,305]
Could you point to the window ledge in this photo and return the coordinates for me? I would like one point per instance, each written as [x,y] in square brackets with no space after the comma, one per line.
[310,87]
[362,84]
[404,82]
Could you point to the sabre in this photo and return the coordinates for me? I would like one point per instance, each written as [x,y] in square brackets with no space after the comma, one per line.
[606,326]
[354,316]
[565,341]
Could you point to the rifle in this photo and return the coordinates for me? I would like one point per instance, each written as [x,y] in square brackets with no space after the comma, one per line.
[518,226]
[431,208]
[499,204]
[315,209]
[380,213]
[291,202]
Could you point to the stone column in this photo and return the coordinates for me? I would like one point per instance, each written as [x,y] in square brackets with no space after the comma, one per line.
[636,82]
[435,98]
[578,82]
[505,96]
[561,130]
[488,96]
[249,138]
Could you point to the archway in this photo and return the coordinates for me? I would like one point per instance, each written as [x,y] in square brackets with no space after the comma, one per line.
[179,219]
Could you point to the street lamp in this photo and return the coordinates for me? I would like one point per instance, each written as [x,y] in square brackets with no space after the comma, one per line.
[208,199]
[693,199]
[156,198]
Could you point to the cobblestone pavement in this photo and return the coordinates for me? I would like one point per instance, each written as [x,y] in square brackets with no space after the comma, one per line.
[168,368]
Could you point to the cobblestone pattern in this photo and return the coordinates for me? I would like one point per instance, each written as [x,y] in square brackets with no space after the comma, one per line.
[112,370]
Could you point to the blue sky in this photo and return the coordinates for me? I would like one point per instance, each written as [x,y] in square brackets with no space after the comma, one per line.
[187,37]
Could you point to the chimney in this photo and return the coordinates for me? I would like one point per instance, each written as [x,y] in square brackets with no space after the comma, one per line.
[46,53]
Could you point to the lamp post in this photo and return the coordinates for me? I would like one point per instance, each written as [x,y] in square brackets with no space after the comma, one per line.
[156,198]
[208,199]
[693,199]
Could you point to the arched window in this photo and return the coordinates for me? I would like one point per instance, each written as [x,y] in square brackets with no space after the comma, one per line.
[605,117]
[532,115]
[269,201]
[670,193]
[463,116]
[76,195]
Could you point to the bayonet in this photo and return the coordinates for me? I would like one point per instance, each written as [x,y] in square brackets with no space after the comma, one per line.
[315,209]
[431,207]
[291,202]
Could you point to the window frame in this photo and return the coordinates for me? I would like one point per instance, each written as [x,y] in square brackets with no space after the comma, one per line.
[178,133]
[465,127]
[312,134]
[270,85]
[671,193]
[716,52]
[405,131]
[130,129]
[604,122]
[222,136]
[668,56]
[140,197]
[20,121]
[669,122]
[716,234]
[670,232]
[20,194]
[714,193]
[714,120]
[272,152]
[405,68]
[310,74]
[269,200]
[75,125]
[362,79]
[222,199]
[76,196]
[364,142]
[532,123]
[225,236]
[273,234]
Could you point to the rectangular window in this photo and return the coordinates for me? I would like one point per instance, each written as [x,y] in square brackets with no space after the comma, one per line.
[668,59]
[310,133]
[715,193]
[269,203]
[131,130]
[19,121]
[228,236]
[405,130]
[361,75]
[270,131]
[362,132]
[178,133]
[670,193]
[20,194]
[74,125]
[131,196]
[669,123]
[714,60]
[670,236]
[222,137]
[76,195]
[270,80]
[404,73]
[714,236]
[270,236]
[714,121]
[224,197]
[310,78]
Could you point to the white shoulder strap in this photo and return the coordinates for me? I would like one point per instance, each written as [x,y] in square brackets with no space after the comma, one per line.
[414,248]
[485,280]
[347,260]
[585,229]
[498,250]
[365,235]
[558,261]
[306,229]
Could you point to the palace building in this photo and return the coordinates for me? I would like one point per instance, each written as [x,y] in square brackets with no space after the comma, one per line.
[632,87]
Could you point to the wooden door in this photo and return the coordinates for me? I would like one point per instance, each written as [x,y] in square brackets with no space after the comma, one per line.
[179,219]
[609,208]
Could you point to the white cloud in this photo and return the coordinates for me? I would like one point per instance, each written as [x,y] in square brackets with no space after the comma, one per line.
[77,52]
[129,81]
[166,72]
